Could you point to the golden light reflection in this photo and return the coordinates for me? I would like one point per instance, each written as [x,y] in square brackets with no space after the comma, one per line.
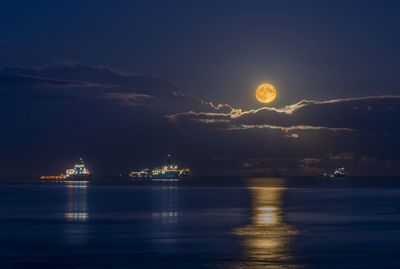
[267,236]
[166,209]
[76,201]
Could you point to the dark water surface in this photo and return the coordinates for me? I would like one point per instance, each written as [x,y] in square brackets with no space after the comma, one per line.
[201,223]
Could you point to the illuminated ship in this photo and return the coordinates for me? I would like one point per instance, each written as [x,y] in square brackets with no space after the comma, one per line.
[338,173]
[78,173]
[166,171]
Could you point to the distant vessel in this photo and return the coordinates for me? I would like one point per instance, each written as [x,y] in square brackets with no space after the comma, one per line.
[166,171]
[78,173]
[338,173]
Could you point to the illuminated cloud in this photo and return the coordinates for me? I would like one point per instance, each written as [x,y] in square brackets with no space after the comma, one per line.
[236,113]
[298,139]
[292,108]
[292,135]
[337,115]
[285,129]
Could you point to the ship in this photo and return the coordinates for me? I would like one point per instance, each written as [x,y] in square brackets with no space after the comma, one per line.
[166,171]
[78,173]
[338,173]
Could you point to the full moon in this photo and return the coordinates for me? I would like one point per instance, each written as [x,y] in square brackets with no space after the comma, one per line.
[266,93]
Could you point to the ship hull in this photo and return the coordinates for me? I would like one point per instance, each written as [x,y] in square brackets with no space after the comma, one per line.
[338,176]
[79,178]
[166,171]
[170,175]
[166,176]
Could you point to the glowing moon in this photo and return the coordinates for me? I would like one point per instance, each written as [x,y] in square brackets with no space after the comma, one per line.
[266,93]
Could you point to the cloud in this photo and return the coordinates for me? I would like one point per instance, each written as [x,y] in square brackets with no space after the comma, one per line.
[303,103]
[342,156]
[285,129]
[310,161]
[367,160]
[126,113]
[289,109]
[35,81]
[336,115]
[278,166]
[218,158]
[292,135]
[81,81]
[72,74]
[130,99]
[313,166]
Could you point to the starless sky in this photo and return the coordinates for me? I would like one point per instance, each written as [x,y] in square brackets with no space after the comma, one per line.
[125,82]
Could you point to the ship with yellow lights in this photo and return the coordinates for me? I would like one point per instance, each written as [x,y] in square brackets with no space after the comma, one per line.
[165,171]
[78,173]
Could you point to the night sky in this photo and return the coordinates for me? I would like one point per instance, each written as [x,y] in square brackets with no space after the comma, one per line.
[124,83]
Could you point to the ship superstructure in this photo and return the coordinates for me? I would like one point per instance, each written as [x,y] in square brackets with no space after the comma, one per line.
[165,171]
[338,173]
[78,173]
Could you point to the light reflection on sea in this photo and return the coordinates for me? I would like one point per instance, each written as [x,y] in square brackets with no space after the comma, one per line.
[76,201]
[168,203]
[201,223]
[267,236]
[76,232]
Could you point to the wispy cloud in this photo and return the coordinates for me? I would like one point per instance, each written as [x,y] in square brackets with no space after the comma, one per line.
[130,99]
[285,129]
[235,112]
[36,81]
[310,161]
[342,156]
[64,64]
[285,119]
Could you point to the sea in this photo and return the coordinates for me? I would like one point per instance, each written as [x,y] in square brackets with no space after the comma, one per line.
[204,222]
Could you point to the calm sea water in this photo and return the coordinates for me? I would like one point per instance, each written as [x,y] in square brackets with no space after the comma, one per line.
[201,223]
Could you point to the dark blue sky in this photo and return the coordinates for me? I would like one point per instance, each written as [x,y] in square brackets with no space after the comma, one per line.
[218,51]
[221,49]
